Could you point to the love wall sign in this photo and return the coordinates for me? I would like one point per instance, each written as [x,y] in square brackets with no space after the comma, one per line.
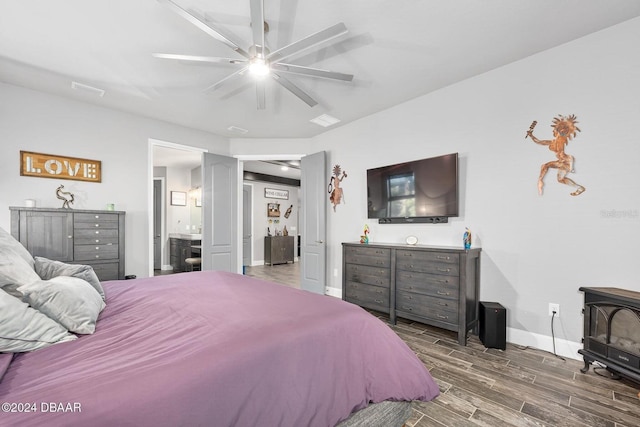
[60,167]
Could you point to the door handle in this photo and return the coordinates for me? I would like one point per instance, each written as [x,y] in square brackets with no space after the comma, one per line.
[319,241]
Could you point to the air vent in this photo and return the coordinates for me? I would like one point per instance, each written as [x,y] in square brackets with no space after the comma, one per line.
[236,129]
[87,89]
[325,120]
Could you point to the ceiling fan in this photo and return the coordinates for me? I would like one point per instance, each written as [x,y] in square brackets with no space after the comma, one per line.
[258,60]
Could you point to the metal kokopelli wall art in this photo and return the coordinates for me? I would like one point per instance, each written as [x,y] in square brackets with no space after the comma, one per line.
[564,129]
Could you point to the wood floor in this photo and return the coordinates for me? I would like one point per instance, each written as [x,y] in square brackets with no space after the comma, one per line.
[491,387]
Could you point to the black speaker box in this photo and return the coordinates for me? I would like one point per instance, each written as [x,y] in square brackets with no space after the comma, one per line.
[493,325]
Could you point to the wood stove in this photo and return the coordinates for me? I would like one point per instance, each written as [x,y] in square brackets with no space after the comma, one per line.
[612,330]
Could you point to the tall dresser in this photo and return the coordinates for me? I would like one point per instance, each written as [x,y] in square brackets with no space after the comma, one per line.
[435,285]
[73,236]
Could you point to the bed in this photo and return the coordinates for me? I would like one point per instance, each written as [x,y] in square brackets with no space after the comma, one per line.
[217,349]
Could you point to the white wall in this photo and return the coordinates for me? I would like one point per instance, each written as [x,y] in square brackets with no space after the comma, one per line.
[35,121]
[536,249]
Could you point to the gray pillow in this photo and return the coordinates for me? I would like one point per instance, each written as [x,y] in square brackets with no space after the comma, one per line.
[8,241]
[70,301]
[24,329]
[14,270]
[48,269]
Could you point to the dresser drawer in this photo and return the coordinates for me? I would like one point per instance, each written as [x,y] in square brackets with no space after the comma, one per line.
[94,237]
[366,274]
[377,257]
[426,283]
[373,297]
[94,252]
[428,262]
[105,270]
[95,217]
[440,309]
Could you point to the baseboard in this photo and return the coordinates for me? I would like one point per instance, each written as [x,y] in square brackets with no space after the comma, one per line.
[564,348]
[333,292]
[166,267]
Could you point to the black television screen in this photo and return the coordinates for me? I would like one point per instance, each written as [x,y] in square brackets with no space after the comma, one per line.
[426,188]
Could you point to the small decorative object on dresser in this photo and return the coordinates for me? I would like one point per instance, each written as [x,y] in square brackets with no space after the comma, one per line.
[411,240]
[435,285]
[466,238]
[66,196]
[365,234]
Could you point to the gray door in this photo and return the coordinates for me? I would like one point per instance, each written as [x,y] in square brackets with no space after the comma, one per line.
[219,213]
[157,223]
[313,224]
[246,224]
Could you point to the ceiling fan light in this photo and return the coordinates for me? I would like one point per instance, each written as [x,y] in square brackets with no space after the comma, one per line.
[258,67]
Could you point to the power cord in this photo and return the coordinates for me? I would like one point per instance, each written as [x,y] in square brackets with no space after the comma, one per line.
[553,337]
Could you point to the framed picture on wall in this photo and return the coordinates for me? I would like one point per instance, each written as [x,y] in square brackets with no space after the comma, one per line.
[178,198]
[273,210]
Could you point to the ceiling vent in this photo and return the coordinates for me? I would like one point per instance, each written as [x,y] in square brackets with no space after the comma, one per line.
[87,89]
[325,120]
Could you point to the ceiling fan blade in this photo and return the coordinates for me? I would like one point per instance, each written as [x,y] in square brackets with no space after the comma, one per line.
[260,93]
[308,42]
[207,28]
[257,24]
[229,77]
[195,58]
[312,72]
[287,84]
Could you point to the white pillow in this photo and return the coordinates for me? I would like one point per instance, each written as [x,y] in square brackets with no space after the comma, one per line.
[70,301]
[24,329]
[8,241]
[14,270]
[48,269]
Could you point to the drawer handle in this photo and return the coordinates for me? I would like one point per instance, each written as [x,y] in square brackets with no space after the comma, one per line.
[97,216]
[380,262]
[443,304]
[379,301]
[97,247]
[97,256]
[443,281]
[408,254]
[407,308]
[440,316]
[69,237]
[97,225]
[97,240]
[97,232]
[378,292]
[407,297]
[443,293]
[442,257]
[444,270]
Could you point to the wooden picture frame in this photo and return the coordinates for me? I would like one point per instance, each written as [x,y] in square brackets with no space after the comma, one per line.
[273,210]
[178,198]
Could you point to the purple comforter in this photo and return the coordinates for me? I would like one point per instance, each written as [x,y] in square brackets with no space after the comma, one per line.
[214,349]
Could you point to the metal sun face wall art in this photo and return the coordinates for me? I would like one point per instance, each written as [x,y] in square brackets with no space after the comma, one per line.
[564,129]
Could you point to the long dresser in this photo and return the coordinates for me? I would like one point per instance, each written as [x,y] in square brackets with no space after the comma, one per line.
[435,285]
[73,236]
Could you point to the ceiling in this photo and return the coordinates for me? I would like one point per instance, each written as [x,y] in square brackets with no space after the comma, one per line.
[396,49]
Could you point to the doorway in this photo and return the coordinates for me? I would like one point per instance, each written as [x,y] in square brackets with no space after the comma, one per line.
[165,158]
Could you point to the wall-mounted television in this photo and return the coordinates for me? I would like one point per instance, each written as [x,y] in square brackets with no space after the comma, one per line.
[421,191]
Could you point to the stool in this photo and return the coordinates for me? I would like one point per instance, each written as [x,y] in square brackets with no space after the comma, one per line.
[193,263]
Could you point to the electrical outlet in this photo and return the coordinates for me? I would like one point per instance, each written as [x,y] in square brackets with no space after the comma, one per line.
[554,307]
